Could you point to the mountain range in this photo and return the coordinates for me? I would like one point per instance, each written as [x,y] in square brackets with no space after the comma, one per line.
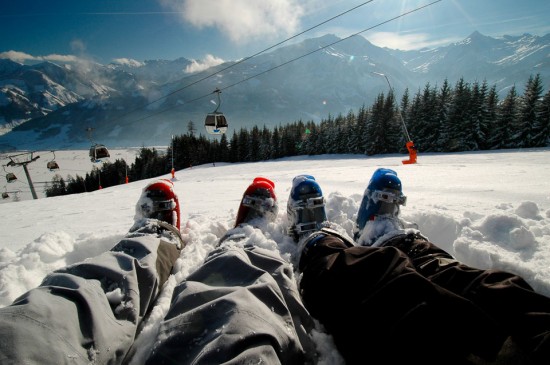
[50,106]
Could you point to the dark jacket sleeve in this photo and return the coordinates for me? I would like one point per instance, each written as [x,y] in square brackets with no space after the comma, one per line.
[379,303]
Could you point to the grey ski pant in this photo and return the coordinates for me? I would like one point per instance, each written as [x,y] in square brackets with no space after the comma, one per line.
[89,312]
[241,306]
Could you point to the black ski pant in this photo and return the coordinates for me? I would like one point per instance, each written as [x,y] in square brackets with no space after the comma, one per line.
[411,302]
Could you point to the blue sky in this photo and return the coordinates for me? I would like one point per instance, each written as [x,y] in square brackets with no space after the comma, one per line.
[214,30]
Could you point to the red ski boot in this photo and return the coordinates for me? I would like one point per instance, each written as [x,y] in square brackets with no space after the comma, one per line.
[159,201]
[259,200]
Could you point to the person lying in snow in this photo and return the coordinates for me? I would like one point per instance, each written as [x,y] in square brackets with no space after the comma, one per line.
[240,306]
[392,296]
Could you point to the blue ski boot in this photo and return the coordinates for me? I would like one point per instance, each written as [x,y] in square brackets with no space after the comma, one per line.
[379,210]
[305,207]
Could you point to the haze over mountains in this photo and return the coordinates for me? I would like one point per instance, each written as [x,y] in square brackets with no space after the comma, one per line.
[49,106]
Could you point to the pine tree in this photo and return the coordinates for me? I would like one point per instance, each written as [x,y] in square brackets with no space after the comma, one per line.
[287,143]
[383,129]
[413,116]
[375,127]
[322,145]
[276,141]
[491,116]
[350,139]
[444,101]
[234,150]
[223,154]
[506,122]
[542,127]
[396,132]
[254,144]
[336,135]
[426,130]
[266,147]
[460,118]
[75,185]
[360,130]
[310,139]
[299,130]
[528,112]
[472,135]
[58,187]
[403,110]
[243,146]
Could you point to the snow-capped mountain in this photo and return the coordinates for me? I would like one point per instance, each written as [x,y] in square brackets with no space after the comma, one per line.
[153,71]
[503,61]
[124,102]
[28,92]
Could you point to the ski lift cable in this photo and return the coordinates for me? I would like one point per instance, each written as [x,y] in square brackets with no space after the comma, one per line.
[398,110]
[245,59]
[332,44]
[293,60]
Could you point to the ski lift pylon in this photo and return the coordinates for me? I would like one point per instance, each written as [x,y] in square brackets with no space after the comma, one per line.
[215,122]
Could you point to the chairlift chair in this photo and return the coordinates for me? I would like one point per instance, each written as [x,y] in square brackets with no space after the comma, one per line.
[215,122]
[52,165]
[10,177]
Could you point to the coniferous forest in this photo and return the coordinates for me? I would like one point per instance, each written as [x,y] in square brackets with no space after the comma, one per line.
[440,118]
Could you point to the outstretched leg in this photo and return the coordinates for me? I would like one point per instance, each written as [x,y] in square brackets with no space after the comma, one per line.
[378,307]
[242,304]
[89,312]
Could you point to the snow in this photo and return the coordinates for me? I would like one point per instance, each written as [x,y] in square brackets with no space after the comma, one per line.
[488,209]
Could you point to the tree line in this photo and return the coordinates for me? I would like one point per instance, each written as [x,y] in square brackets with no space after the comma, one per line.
[463,117]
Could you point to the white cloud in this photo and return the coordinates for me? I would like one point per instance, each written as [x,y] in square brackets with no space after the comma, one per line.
[128,62]
[25,57]
[207,62]
[60,58]
[17,56]
[241,20]
[405,42]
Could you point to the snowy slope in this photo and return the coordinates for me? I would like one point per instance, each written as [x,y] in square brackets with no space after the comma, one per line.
[489,209]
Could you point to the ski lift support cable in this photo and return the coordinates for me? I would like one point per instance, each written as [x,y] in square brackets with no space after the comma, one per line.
[398,109]
[411,148]
[290,61]
[245,59]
